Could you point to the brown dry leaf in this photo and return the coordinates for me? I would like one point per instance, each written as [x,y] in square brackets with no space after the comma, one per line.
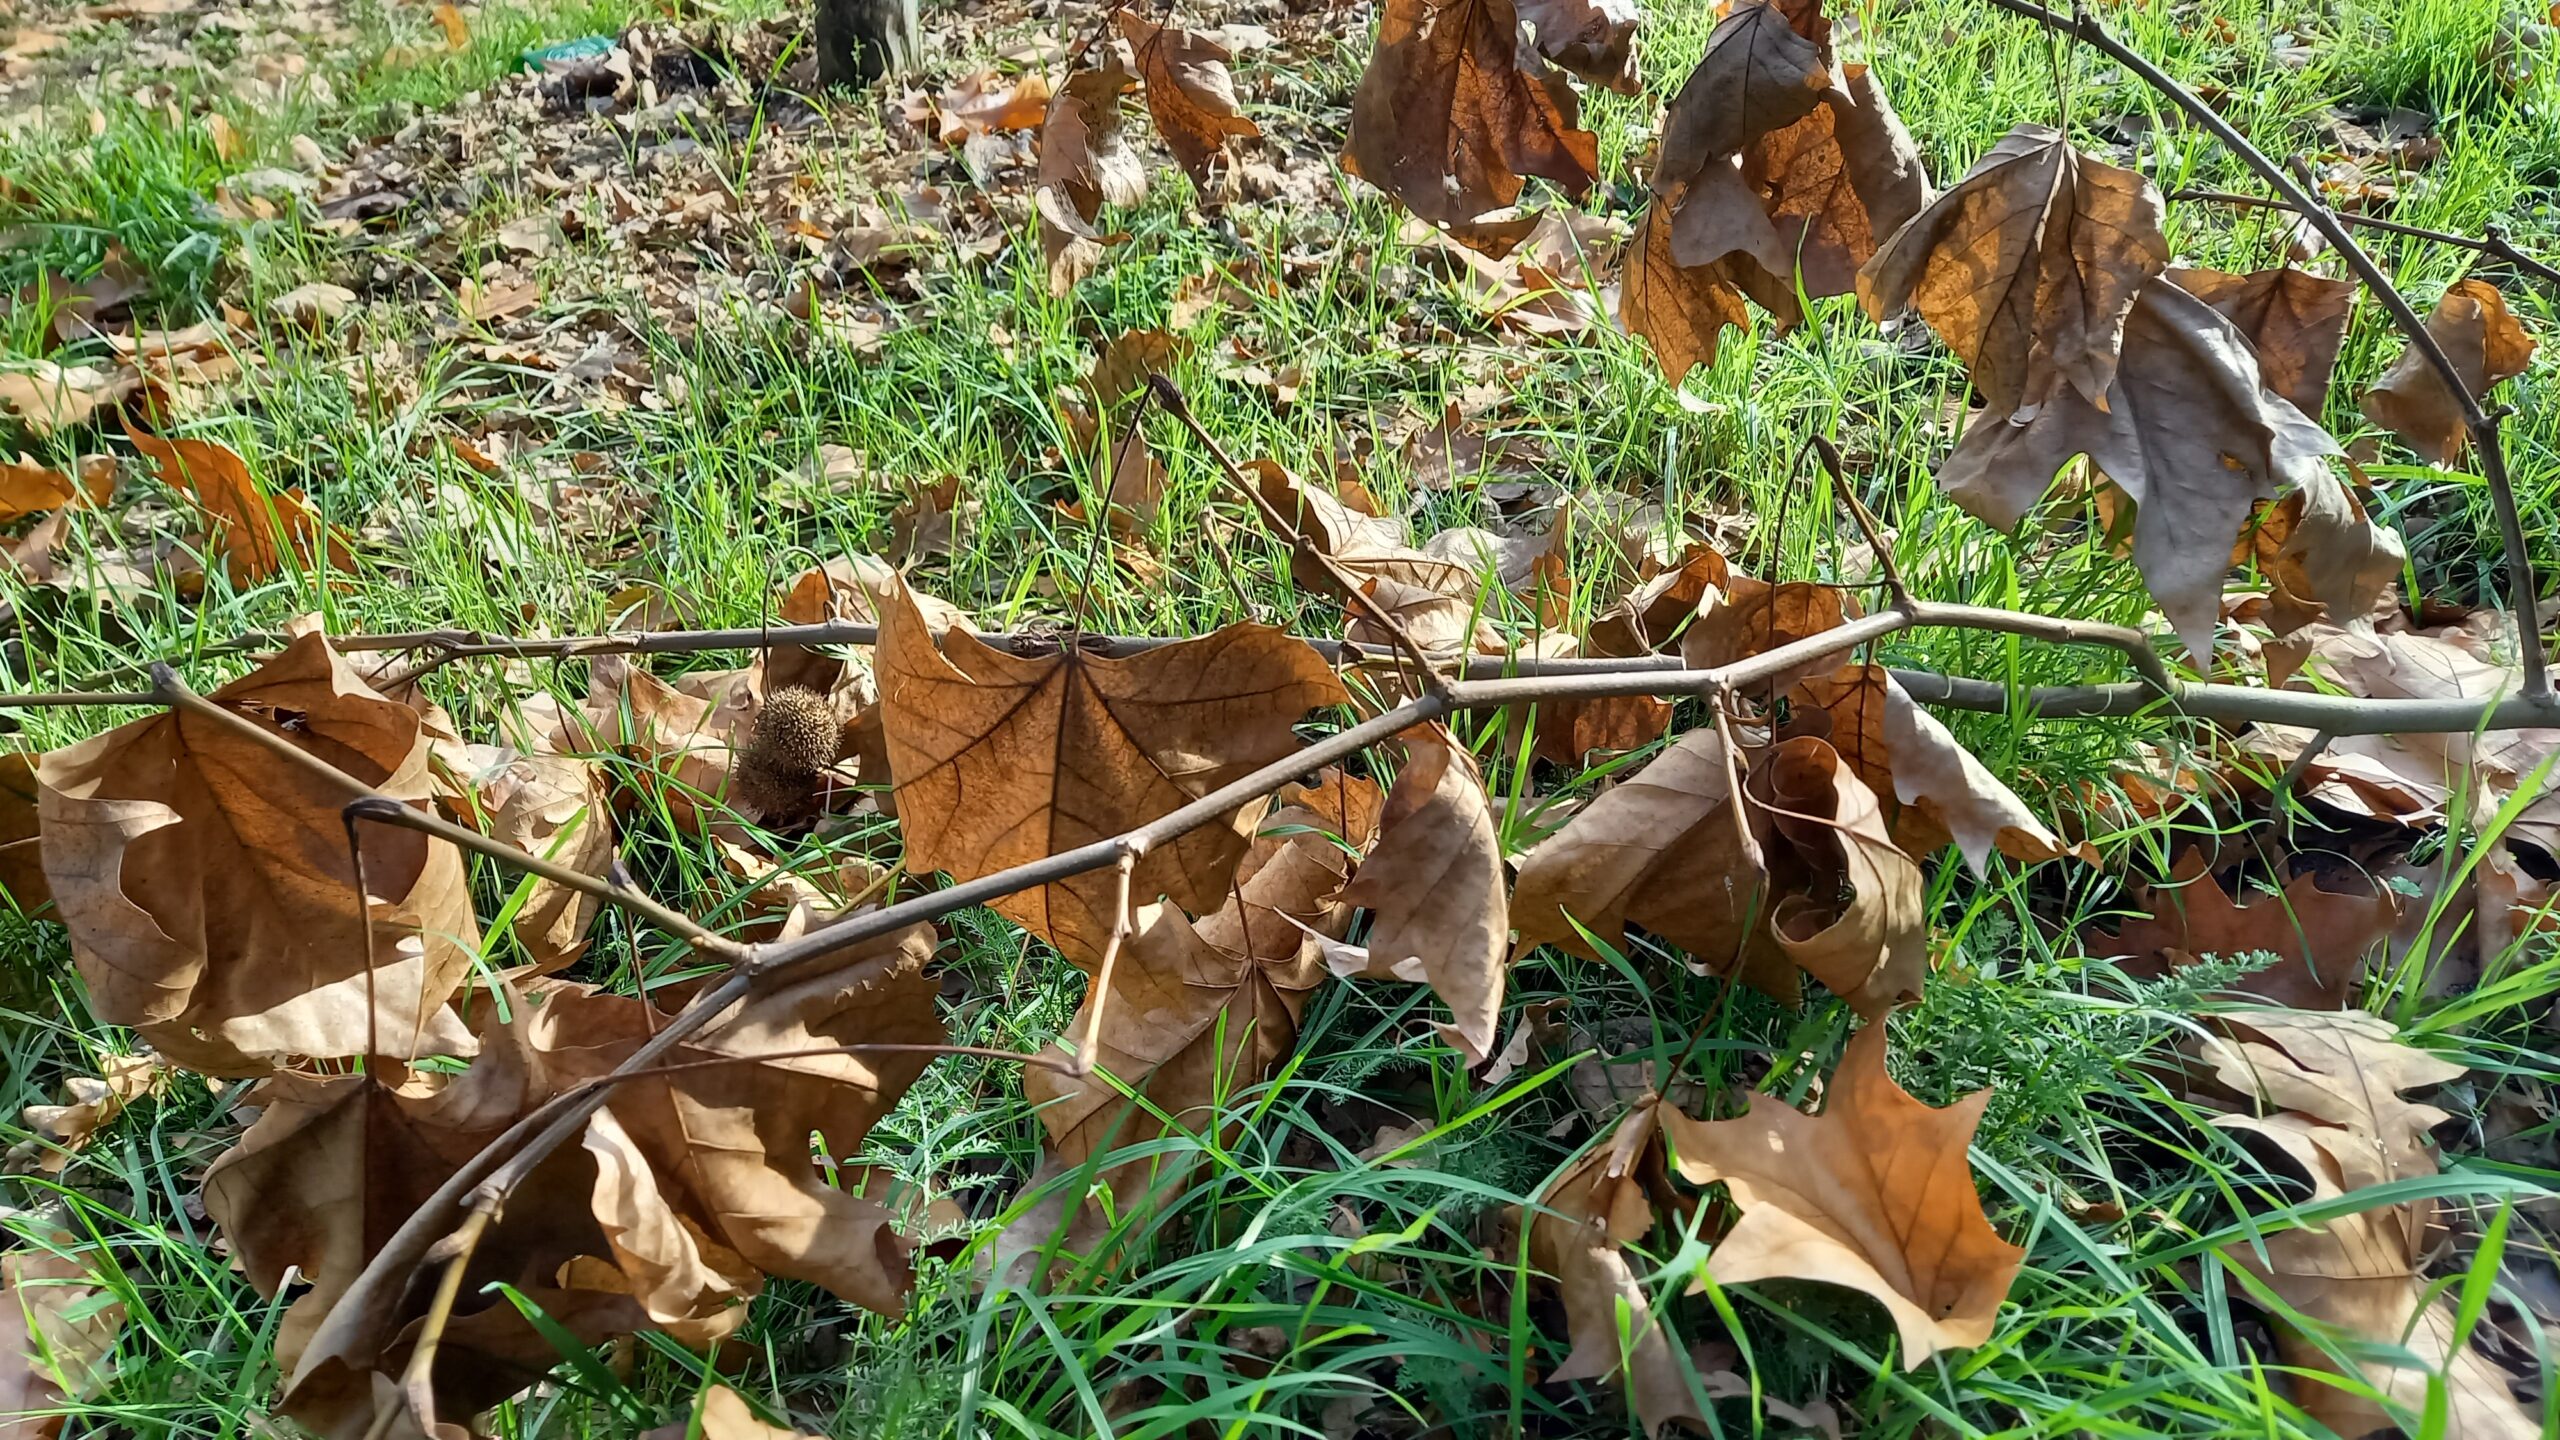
[1946,795]
[986,103]
[1874,1194]
[1667,593]
[1812,199]
[2323,557]
[1197,1012]
[1128,358]
[1189,91]
[729,1143]
[2486,344]
[1577,1233]
[21,829]
[2189,432]
[2319,936]
[1848,908]
[1451,114]
[256,529]
[1594,39]
[724,1415]
[27,488]
[58,1331]
[1679,310]
[209,893]
[1758,74]
[2363,1274]
[1749,617]
[2295,320]
[46,397]
[1435,885]
[559,807]
[1001,759]
[1085,164]
[2026,268]
[685,744]
[92,1102]
[2345,1068]
[1661,850]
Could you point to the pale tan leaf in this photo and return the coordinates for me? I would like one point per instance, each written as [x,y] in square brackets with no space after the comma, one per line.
[1874,1194]
[2345,1068]
[725,1415]
[1435,885]
[92,1101]
[1848,905]
[58,1330]
[2486,344]
[2295,321]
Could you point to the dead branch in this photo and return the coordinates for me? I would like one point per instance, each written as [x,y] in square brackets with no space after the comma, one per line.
[2491,241]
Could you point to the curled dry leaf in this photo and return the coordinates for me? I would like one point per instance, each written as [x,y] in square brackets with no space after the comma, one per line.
[1757,75]
[58,1330]
[1848,908]
[1874,1194]
[2295,321]
[209,893]
[2363,1274]
[256,529]
[684,744]
[92,1101]
[1594,39]
[1944,795]
[2486,344]
[2323,557]
[2345,1069]
[1666,595]
[1085,163]
[1199,1011]
[1452,114]
[1435,886]
[2319,936]
[1577,1233]
[2189,432]
[1189,91]
[559,807]
[986,102]
[1001,759]
[1680,310]
[2026,268]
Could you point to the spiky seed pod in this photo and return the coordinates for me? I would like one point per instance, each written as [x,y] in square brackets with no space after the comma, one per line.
[795,738]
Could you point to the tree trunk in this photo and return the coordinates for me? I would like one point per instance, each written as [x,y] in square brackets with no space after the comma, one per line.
[861,40]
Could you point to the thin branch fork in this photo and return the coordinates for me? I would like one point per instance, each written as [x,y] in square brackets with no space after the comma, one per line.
[2491,241]
[2482,424]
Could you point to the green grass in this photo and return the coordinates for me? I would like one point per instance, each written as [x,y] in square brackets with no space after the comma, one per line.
[1392,1290]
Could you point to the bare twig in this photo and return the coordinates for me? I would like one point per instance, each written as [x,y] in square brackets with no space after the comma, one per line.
[2523,592]
[1101,1001]
[417,1378]
[2491,240]
[1867,526]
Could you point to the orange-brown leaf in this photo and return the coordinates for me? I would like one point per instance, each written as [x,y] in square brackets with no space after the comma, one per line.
[255,529]
[1189,91]
[2486,344]
[2294,319]
[2319,936]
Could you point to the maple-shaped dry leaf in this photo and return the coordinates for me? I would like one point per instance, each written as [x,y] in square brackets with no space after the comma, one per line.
[2345,1068]
[2362,1274]
[2295,320]
[1900,750]
[1577,1233]
[2324,558]
[1660,850]
[729,1143]
[1084,152]
[2191,434]
[1874,1194]
[1199,1011]
[1594,39]
[2026,268]
[1812,199]
[1747,617]
[256,529]
[1757,75]
[27,488]
[1001,759]
[1451,114]
[1435,885]
[1128,358]
[58,1329]
[1680,310]
[1848,908]
[91,1102]
[209,893]
[1189,91]
[2486,344]
[2320,936]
